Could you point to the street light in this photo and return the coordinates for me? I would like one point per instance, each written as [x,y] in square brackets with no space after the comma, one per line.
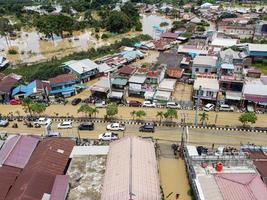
[197,106]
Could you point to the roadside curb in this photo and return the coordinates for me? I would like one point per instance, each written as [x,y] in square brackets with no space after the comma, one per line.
[228,129]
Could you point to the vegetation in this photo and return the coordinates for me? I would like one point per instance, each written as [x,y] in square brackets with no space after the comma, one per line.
[140,114]
[12,51]
[261,66]
[171,113]
[111,110]
[51,68]
[204,117]
[248,117]
[33,108]
[160,115]
[86,109]
[163,24]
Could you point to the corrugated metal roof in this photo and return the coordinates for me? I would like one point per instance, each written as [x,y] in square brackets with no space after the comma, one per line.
[60,188]
[241,186]
[81,66]
[62,78]
[48,160]
[8,177]
[131,171]
[206,84]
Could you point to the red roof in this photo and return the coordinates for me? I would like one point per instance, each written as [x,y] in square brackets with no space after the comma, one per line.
[168,35]
[175,72]
[241,186]
[17,151]
[8,177]
[62,79]
[60,188]
[152,73]
[126,69]
[48,160]
[41,85]
[7,83]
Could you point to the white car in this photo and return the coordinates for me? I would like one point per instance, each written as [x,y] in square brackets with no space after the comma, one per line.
[116,127]
[173,105]
[149,104]
[43,121]
[64,125]
[227,108]
[3,62]
[208,107]
[108,136]
[4,123]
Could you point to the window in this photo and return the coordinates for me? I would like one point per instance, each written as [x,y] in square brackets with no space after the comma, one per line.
[196,70]
[206,70]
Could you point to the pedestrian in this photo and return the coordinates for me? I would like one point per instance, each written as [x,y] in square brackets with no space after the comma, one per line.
[177,196]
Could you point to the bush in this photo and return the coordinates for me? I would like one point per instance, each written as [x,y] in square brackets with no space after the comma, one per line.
[12,51]
[104,36]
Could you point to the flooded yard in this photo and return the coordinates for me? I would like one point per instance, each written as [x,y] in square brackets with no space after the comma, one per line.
[173,175]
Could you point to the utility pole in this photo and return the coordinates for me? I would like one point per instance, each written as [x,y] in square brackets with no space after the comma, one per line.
[185,129]
[197,106]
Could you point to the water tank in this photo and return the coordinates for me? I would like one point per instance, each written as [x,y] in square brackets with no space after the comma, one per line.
[219,167]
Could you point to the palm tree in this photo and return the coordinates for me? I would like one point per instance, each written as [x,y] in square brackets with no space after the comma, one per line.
[27,105]
[94,111]
[140,113]
[160,115]
[171,113]
[204,117]
[133,114]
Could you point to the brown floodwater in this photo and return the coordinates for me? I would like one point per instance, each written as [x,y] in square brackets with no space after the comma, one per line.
[173,177]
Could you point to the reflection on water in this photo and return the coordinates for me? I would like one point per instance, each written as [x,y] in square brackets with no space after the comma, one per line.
[148,21]
[173,178]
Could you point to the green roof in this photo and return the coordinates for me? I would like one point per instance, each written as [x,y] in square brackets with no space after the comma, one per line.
[119,81]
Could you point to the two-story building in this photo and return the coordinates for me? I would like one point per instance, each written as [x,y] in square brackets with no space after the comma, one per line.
[82,69]
[257,51]
[209,89]
[64,85]
[136,85]
[204,64]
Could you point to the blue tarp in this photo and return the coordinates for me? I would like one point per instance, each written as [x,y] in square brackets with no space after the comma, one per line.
[227,66]
[27,90]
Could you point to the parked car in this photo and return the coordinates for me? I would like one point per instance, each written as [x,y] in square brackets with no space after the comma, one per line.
[15,102]
[147,128]
[54,134]
[102,104]
[86,126]
[64,125]
[250,108]
[149,104]
[4,123]
[116,127]
[43,121]
[76,101]
[173,105]
[134,103]
[227,108]
[208,107]
[108,136]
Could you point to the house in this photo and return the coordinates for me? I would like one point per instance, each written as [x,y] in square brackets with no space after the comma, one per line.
[101,88]
[169,36]
[257,51]
[204,64]
[232,57]
[143,180]
[36,89]
[64,85]
[3,62]
[161,44]
[165,89]
[119,83]
[255,92]
[224,42]
[136,84]
[154,74]
[84,69]
[7,83]
[223,175]
[169,59]
[209,88]
[174,72]
[126,71]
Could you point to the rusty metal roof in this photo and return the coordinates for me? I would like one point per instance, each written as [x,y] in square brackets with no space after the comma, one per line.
[8,177]
[49,159]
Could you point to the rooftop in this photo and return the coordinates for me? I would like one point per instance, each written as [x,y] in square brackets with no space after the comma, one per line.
[126,69]
[62,78]
[257,47]
[137,79]
[81,66]
[206,83]
[167,84]
[131,172]
[205,60]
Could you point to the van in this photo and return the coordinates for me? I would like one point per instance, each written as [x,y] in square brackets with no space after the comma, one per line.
[173,105]
[147,128]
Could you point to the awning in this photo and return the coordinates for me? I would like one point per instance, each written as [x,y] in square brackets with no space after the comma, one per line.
[115,95]
[256,98]
[149,95]
[81,86]
[163,95]
[233,95]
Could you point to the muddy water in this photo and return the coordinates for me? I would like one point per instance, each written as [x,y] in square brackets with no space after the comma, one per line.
[148,21]
[173,178]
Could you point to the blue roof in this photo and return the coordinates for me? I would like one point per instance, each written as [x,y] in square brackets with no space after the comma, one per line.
[132,54]
[27,90]
[227,66]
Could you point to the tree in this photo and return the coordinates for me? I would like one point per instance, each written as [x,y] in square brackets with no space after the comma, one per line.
[204,117]
[171,113]
[86,109]
[140,113]
[133,114]
[94,111]
[162,24]
[118,22]
[248,117]
[27,105]
[5,28]
[38,108]
[160,115]
[111,110]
